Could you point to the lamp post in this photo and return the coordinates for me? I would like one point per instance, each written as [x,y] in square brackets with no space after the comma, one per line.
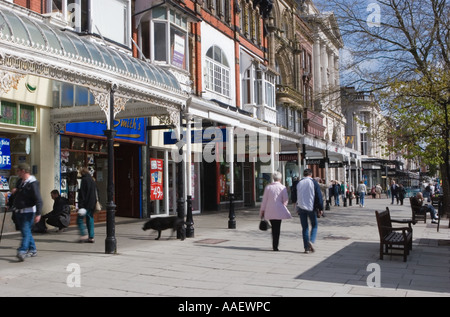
[110,241]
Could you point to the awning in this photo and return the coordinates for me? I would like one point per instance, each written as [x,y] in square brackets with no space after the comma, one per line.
[30,44]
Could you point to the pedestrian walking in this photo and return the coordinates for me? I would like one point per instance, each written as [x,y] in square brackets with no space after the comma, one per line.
[87,198]
[362,191]
[273,207]
[28,204]
[394,192]
[309,205]
[401,192]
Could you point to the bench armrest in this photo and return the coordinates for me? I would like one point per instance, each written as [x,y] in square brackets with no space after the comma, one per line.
[402,221]
[398,228]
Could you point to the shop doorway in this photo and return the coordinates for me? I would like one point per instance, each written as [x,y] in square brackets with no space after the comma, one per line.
[127,180]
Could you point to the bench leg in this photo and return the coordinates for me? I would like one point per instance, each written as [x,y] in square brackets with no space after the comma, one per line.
[381,251]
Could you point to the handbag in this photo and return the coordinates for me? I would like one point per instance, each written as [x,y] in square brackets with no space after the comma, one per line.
[264,225]
[98,206]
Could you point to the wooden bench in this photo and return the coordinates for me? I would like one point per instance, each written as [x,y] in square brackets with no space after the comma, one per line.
[417,213]
[436,202]
[393,238]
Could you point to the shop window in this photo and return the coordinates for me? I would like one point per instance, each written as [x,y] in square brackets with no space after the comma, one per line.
[76,153]
[78,144]
[224,181]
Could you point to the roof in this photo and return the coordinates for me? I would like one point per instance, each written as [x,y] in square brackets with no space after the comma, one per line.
[34,34]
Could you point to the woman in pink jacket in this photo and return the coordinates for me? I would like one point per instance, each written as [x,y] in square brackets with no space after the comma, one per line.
[273,207]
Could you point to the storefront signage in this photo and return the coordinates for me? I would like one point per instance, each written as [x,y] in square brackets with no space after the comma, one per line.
[127,129]
[210,134]
[5,154]
[156,179]
[288,157]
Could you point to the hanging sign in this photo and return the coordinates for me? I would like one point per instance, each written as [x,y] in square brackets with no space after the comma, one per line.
[156,179]
[5,154]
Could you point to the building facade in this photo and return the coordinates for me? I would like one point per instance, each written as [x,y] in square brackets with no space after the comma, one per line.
[211,95]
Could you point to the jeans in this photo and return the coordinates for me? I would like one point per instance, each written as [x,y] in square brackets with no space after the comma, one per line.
[361,198]
[307,235]
[26,221]
[431,210]
[89,223]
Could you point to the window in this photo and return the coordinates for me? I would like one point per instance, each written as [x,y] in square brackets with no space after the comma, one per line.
[111,18]
[364,144]
[68,95]
[18,114]
[258,87]
[270,90]
[217,71]
[246,89]
[163,37]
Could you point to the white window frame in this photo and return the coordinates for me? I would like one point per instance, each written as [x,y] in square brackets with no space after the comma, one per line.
[127,18]
[172,20]
[217,74]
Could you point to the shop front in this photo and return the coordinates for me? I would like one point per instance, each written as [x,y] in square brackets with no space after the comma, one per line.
[84,144]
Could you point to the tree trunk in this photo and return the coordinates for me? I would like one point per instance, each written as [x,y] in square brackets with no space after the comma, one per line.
[445,190]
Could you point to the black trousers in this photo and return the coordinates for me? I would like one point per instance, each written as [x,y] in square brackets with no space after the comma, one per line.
[276,228]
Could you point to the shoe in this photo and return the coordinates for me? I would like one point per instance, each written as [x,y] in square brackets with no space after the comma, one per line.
[83,239]
[306,251]
[311,248]
[21,256]
[31,254]
[276,249]
[434,221]
[90,240]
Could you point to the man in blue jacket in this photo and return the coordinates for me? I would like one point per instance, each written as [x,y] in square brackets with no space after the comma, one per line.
[309,205]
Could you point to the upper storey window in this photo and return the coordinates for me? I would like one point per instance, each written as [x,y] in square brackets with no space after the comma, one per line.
[163,37]
[217,71]
[110,19]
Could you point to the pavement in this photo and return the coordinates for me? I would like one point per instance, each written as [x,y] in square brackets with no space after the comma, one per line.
[230,263]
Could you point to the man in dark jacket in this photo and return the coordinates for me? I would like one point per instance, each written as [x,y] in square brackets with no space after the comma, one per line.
[87,198]
[60,215]
[28,204]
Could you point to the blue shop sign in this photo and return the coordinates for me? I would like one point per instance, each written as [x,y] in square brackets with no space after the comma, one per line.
[127,129]
[5,154]
[211,134]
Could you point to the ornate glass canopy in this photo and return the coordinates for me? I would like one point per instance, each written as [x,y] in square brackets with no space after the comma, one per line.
[45,38]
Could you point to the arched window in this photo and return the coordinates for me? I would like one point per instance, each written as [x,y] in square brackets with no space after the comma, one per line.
[217,71]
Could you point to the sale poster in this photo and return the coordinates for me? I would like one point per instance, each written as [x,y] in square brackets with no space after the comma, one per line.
[156,179]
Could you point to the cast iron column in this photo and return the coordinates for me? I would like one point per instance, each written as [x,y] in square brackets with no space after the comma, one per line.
[189,218]
[110,241]
[181,232]
[230,152]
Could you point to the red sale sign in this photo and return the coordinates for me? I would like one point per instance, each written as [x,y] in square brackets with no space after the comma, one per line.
[156,179]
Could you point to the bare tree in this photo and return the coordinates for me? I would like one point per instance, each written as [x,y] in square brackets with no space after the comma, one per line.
[399,50]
